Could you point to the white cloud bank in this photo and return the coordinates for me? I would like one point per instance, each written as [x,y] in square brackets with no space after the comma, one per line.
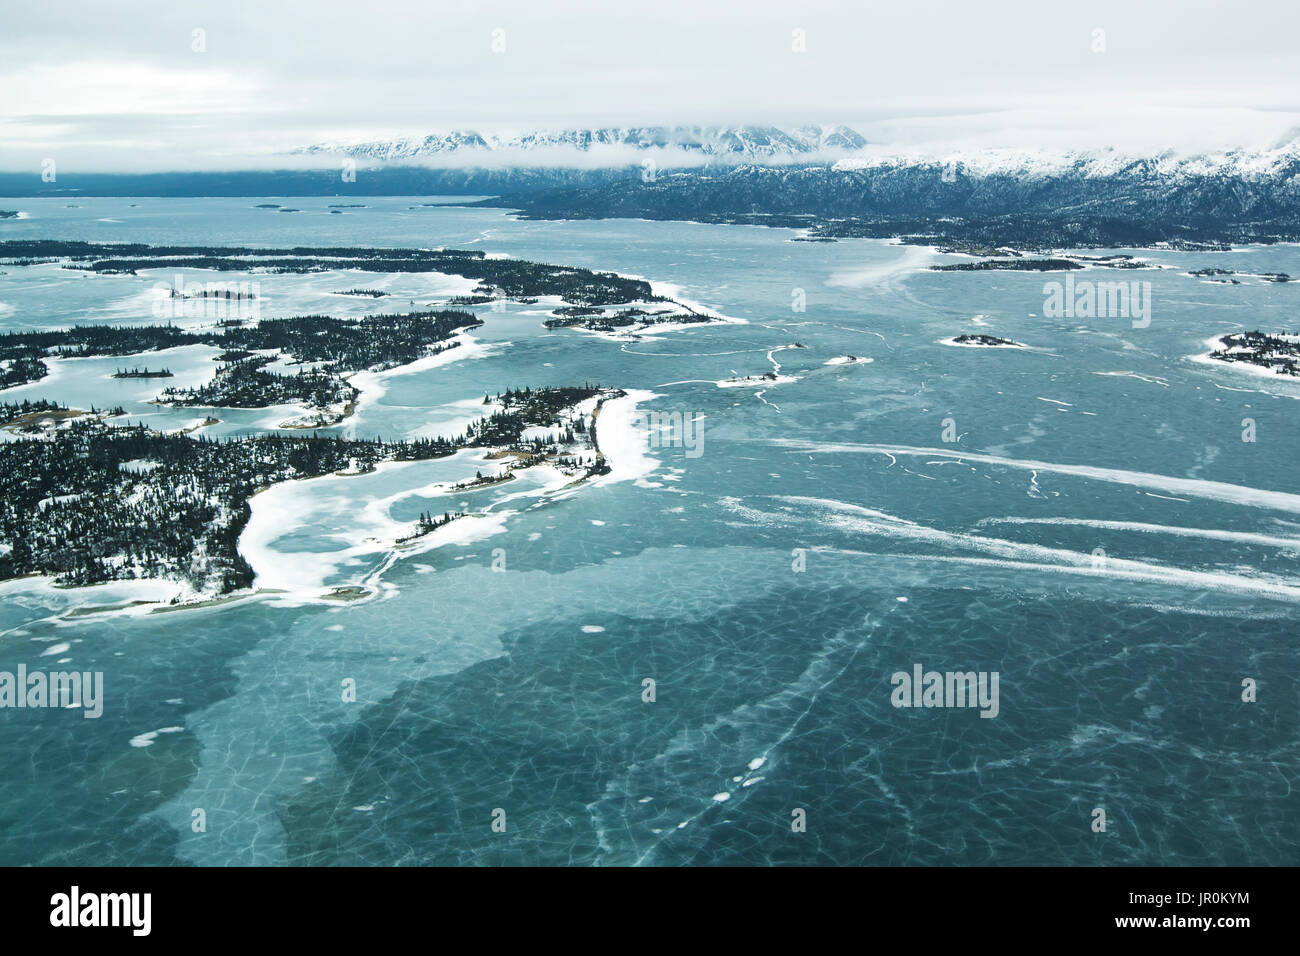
[122,86]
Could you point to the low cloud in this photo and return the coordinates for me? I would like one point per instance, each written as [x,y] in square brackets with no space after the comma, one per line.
[129,87]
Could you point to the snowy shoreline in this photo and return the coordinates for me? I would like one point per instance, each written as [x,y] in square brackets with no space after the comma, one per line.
[1215,344]
[301,577]
[621,442]
[357,544]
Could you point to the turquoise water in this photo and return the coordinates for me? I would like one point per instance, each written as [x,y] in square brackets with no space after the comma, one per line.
[522,690]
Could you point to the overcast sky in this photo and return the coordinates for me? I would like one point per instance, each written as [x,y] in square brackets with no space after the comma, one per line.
[101,86]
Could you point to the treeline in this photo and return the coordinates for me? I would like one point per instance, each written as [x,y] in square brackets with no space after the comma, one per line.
[95,502]
[19,369]
[372,342]
[145,372]
[524,408]
[1259,348]
[11,412]
[498,278]
[245,383]
[69,508]
[339,345]
[1010,265]
[26,412]
[597,320]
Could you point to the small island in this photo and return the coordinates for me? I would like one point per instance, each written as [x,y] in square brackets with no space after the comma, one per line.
[976,340]
[767,378]
[633,320]
[1011,265]
[1277,353]
[427,524]
[1227,276]
[229,294]
[145,372]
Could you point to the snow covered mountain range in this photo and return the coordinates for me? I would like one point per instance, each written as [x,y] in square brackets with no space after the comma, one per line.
[1102,162]
[837,144]
[827,180]
[729,143]
[1040,198]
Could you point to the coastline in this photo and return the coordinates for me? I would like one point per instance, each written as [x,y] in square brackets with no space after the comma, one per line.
[621,442]
[304,575]
[372,386]
[1259,372]
[307,576]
